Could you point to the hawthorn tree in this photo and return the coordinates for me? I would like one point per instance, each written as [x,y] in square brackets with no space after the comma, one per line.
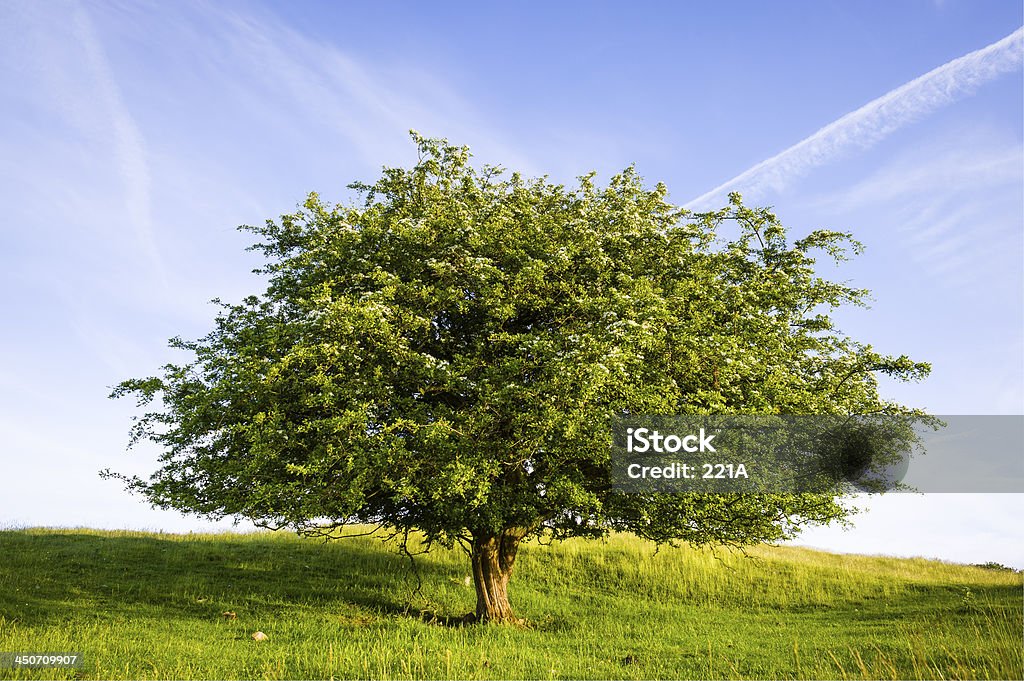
[445,357]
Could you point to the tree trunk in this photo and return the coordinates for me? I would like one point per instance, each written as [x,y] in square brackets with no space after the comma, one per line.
[493,558]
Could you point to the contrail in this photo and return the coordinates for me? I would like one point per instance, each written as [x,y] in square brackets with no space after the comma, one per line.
[878,118]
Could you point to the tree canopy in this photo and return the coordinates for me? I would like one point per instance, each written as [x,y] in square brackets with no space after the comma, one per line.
[445,356]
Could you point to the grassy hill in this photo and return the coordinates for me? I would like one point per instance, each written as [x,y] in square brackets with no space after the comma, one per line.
[151,606]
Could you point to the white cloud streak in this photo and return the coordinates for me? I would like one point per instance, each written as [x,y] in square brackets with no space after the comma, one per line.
[952,205]
[877,119]
[129,146]
[369,106]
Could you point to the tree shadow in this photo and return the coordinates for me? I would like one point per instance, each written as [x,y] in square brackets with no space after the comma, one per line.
[54,576]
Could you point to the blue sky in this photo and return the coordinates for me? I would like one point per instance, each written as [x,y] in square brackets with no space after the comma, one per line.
[135,137]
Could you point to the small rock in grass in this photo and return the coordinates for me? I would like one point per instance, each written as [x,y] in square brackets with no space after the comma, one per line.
[259,636]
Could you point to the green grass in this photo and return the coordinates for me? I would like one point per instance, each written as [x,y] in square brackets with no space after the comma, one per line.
[150,606]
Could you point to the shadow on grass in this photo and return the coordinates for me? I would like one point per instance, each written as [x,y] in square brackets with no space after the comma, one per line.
[53,576]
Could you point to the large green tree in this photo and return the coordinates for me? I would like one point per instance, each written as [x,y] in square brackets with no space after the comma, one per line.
[446,355]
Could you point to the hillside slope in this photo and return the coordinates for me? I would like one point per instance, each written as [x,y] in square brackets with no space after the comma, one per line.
[143,605]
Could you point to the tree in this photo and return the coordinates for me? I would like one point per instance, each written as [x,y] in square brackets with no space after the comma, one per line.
[445,357]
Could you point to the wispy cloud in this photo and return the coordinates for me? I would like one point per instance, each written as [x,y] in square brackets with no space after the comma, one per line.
[976,161]
[952,205]
[877,119]
[369,106]
[129,147]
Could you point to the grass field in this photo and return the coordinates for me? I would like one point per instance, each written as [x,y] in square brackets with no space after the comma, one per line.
[149,606]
